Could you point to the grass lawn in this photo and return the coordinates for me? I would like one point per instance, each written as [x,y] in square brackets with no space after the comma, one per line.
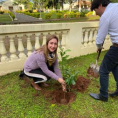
[82,19]
[4,18]
[17,98]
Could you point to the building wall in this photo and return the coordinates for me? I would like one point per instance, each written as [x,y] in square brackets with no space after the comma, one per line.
[9,4]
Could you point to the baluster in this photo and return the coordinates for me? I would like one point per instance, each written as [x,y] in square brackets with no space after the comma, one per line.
[63,42]
[90,37]
[3,51]
[94,35]
[51,33]
[12,50]
[59,44]
[21,47]
[86,37]
[83,34]
[37,44]
[44,38]
[29,45]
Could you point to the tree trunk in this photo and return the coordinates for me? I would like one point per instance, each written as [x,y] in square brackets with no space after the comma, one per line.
[80,5]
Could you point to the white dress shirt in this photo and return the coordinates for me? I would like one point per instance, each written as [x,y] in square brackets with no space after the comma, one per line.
[108,25]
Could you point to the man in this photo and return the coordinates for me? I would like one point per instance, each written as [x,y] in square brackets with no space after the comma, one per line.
[108,13]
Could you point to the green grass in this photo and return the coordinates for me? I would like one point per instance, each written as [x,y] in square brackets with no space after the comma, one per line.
[4,18]
[17,99]
[82,19]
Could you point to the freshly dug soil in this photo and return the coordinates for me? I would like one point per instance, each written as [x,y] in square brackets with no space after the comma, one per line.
[57,96]
[91,73]
[81,84]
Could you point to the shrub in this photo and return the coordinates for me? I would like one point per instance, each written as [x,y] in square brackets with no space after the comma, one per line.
[11,14]
[77,14]
[59,15]
[89,14]
[30,11]
[32,14]
[72,15]
[6,11]
[52,12]
[83,12]
[1,12]
[65,15]
[48,15]
[19,11]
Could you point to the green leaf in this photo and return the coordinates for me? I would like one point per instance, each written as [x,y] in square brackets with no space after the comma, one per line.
[73,82]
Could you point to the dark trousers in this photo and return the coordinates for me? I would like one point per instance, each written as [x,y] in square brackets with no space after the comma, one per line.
[38,75]
[109,64]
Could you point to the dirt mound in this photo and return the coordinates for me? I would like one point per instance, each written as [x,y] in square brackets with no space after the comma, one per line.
[62,97]
[91,73]
[81,84]
[58,96]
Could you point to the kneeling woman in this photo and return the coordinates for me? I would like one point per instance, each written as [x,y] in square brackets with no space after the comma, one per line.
[42,64]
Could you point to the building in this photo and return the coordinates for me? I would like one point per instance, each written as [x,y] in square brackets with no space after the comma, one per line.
[82,4]
[8,5]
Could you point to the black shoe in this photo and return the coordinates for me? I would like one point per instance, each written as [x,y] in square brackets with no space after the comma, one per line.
[21,75]
[115,94]
[98,97]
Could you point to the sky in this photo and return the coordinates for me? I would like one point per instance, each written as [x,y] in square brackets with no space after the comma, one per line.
[2,0]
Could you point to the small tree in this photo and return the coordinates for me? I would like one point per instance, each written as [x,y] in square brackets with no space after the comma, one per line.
[68,74]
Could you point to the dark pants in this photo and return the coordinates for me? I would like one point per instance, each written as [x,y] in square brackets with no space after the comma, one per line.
[38,75]
[109,64]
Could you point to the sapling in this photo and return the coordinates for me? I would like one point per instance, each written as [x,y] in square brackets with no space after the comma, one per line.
[68,74]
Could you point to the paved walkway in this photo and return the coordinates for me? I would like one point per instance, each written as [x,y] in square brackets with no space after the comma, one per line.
[25,18]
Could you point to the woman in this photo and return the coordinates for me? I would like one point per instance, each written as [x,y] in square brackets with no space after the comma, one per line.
[42,64]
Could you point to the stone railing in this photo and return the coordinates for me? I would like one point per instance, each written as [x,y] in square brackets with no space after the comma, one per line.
[17,42]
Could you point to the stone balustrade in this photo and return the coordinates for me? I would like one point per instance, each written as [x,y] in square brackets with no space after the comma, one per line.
[17,42]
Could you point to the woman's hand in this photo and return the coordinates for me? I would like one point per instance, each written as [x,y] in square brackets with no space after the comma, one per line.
[64,87]
[62,82]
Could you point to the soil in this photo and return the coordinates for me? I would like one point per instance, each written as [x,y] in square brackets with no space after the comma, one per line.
[92,73]
[57,96]
[81,84]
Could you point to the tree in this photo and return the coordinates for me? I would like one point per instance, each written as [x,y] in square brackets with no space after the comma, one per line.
[24,2]
[70,2]
[38,3]
[115,1]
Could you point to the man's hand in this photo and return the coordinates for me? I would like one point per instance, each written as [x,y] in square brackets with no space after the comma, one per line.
[98,50]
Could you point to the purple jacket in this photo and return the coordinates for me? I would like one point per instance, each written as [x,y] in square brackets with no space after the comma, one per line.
[37,60]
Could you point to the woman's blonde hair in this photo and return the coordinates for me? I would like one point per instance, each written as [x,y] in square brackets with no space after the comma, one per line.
[45,49]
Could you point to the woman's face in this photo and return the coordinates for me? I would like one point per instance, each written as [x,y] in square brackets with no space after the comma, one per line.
[52,45]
